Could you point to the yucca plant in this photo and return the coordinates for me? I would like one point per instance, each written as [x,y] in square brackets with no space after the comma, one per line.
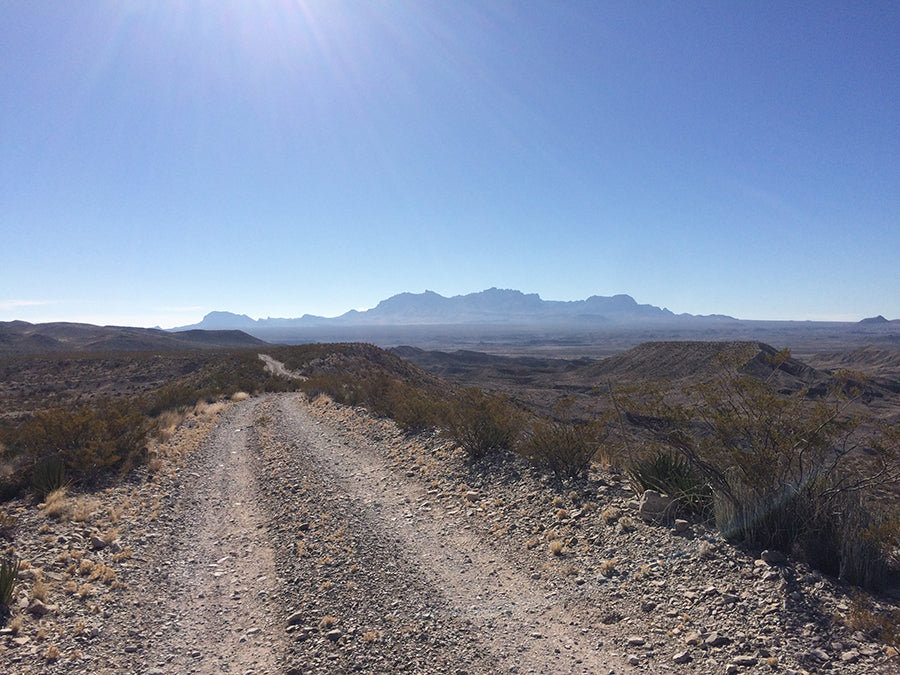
[673,475]
[9,576]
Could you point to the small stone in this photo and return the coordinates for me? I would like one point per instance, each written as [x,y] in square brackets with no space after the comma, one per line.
[295,619]
[772,557]
[693,638]
[732,669]
[97,543]
[653,505]
[334,635]
[648,606]
[682,657]
[636,640]
[716,640]
[633,660]
[745,660]
[819,655]
[472,496]
[38,608]
[681,525]
[851,656]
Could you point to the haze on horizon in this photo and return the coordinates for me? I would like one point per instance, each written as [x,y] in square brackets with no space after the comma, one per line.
[163,159]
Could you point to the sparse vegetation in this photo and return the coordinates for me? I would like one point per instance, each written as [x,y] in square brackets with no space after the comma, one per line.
[563,445]
[482,423]
[785,469]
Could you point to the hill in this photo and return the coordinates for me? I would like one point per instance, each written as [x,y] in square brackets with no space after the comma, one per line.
[20,337]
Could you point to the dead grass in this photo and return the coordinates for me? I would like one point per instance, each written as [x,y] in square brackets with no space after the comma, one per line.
[207,411]
[57,505]
[240,396]
[84,508]
[16,624]
[167,423]
[40,590]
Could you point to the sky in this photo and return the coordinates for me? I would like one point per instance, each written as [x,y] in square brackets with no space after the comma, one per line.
[161,159]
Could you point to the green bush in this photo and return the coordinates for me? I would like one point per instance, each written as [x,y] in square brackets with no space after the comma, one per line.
[482,423]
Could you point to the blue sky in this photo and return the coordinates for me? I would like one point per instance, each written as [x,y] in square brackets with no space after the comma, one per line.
[162,159]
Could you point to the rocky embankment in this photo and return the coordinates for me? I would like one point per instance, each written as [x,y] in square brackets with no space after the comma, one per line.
[283,536]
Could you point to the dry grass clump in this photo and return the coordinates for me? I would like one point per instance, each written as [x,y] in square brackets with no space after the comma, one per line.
[608,567]
[627,524]
[327,622]
[166,424]
[84,508]
[240,396]
[611,515]
[40,590]
[207,411]
[556,546]
[16,624]
[370,636]
[57,505]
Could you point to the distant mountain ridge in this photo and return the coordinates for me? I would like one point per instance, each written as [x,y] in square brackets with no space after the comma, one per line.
[490,307]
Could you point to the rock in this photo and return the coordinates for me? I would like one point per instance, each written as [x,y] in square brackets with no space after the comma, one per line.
[682,657]
[772,557]
[632,660]
[648,606]
[472,496]
[334,635]
[732,669]
[636,641]
[819,655]
[851,656]
[38,608]
[745,661]
[681,525]
[693,639]
[716,640]
[295,619]
[97,543]
[653,505]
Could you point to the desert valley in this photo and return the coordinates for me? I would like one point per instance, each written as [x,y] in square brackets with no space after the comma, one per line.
[592,495]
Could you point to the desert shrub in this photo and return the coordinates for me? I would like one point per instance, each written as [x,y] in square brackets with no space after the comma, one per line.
[564,446]
[82,442]
[785,468]
[413,410]
[9,576]
[671,474]
[8,525]
[875,622]
[48,475]
[482,423]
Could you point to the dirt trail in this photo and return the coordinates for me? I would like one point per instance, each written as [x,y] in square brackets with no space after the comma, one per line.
[520,626]
[220,573]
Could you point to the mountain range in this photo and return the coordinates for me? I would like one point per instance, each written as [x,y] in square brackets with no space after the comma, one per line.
[493,307]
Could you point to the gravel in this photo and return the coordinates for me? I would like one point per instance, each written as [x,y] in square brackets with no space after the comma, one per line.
[291,537]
